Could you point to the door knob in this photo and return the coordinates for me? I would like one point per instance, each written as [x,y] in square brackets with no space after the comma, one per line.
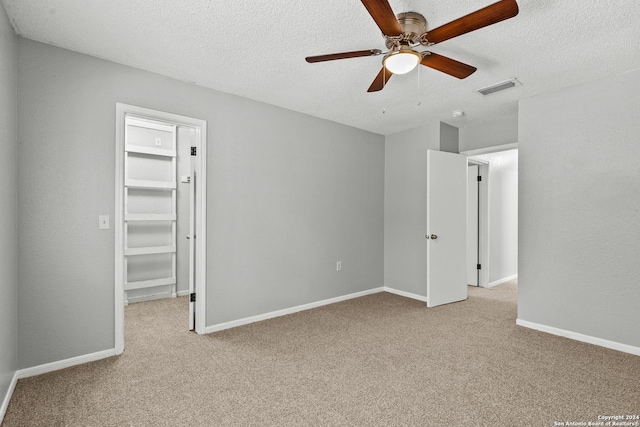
[434,237]
[188,236]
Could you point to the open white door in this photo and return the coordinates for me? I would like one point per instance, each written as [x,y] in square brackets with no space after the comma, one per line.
[192,244]
[446,228]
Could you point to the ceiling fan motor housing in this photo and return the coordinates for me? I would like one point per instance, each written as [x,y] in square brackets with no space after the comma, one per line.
[413,26]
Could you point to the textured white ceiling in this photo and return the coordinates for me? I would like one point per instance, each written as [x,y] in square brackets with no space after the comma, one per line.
[256,49]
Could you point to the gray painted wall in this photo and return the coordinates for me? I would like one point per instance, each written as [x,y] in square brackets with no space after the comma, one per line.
[405,207]
[449,138]
[580,209]
[288,196]
[503,213]
[295,195]
[489,134]
[8,205]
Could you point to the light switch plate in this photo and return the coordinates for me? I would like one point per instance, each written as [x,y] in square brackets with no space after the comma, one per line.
[103,222]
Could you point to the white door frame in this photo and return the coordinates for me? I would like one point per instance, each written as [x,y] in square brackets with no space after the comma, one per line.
[473,273]
[200,127]
[483,201]
[483,221]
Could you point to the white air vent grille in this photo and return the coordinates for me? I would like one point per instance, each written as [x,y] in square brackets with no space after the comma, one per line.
[499,86]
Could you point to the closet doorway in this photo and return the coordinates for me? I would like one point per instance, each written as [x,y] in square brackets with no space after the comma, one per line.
[160,242]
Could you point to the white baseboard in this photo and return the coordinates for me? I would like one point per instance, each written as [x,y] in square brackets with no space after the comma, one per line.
[183,293]
[50,367]
[625,348]
[405,294]
[501,281]
[291,310]
[66,363]
[7,397]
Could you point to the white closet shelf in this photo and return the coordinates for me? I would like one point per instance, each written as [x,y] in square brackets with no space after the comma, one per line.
[160,185]
[149,124]
[149,250]
[128,286]
[149,217]
[150,150]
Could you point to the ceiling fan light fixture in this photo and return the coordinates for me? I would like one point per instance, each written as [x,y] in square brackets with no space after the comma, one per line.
[402,61]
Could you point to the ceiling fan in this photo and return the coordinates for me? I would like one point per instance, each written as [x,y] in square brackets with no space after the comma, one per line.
[409,30]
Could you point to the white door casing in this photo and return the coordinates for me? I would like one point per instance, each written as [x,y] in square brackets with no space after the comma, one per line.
[472,225]
[446,228]
[483,220]
[192,240]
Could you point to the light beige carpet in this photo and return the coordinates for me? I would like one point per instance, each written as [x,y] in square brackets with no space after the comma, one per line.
[380,360]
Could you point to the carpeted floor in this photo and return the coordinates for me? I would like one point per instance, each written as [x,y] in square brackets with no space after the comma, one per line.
[379,360]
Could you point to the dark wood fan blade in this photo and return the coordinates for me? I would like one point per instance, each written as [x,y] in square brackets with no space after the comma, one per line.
[381,80]
[381,12]
[447,65]
[343,55]
[491,14]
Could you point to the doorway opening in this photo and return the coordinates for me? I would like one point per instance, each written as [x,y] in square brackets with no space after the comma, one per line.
[160,242]
[492,241]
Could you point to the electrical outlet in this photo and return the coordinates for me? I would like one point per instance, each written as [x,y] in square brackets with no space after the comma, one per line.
[339,266]
[103,222]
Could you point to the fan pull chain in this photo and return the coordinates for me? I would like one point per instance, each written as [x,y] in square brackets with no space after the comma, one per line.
[419,102]
[384,83]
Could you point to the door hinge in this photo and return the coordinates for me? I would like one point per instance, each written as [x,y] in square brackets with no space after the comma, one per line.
[479,178]
[192,297]
[194,151]
[479,266]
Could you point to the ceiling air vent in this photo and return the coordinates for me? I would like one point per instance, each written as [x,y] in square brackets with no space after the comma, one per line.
[499,86]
